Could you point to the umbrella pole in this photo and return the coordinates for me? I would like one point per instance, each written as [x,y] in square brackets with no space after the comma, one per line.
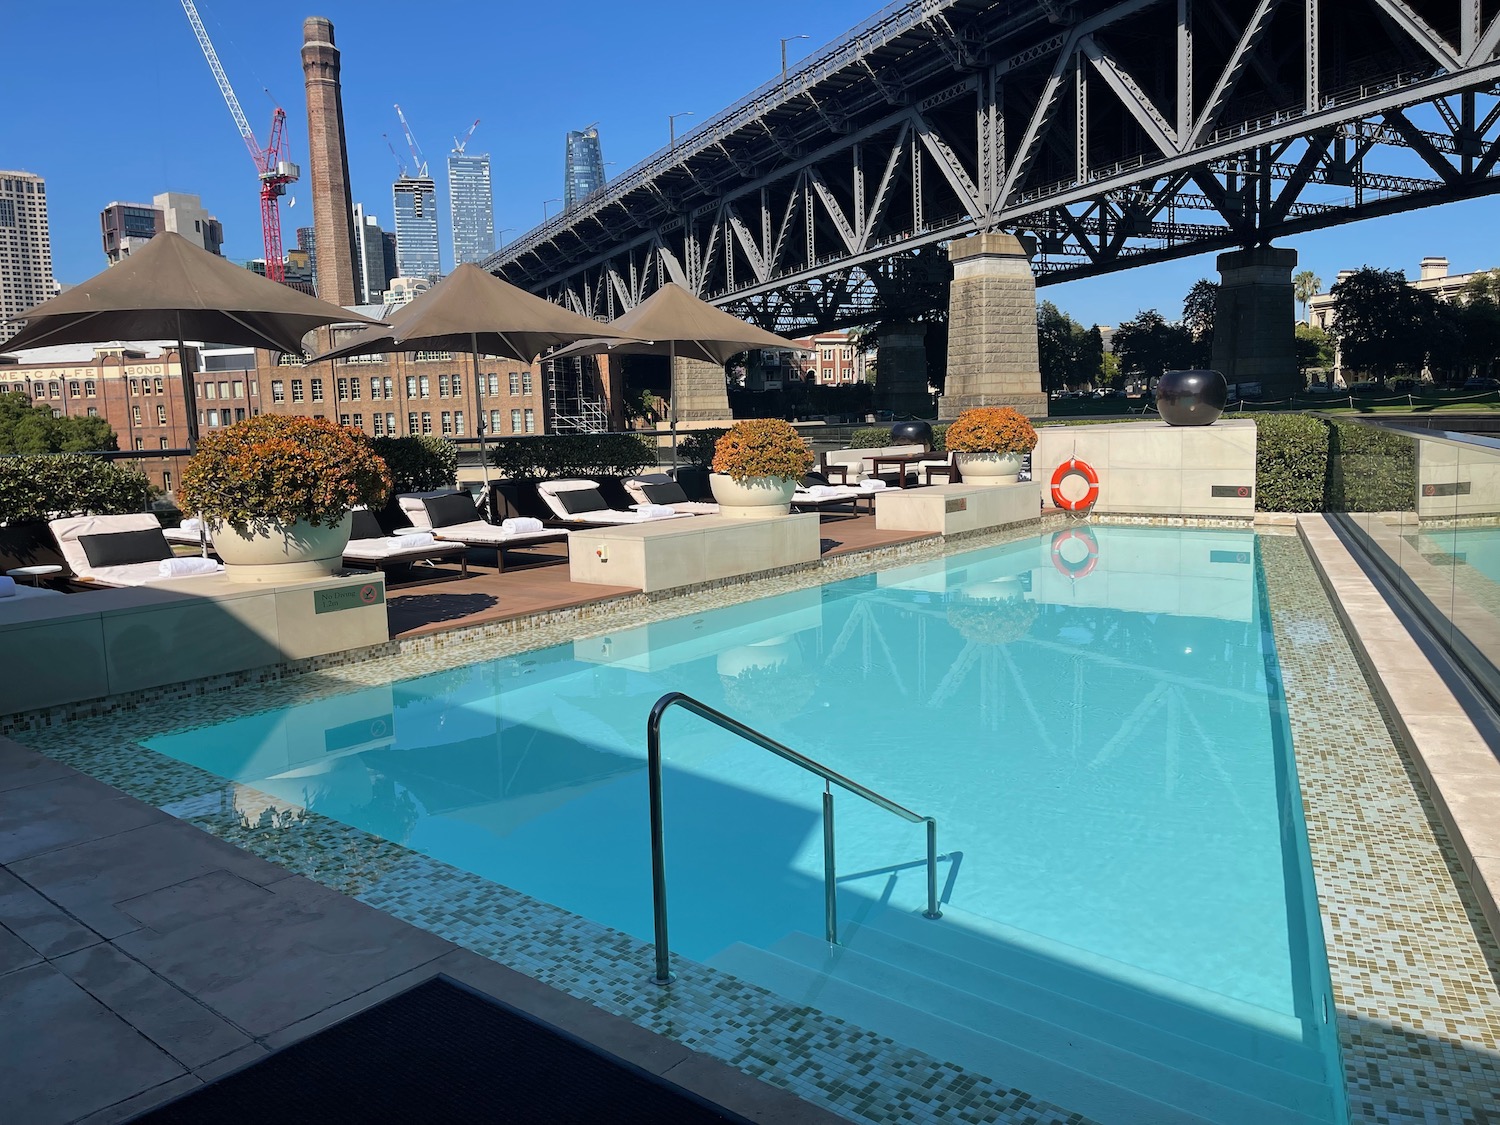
[189,390]
[484,463]
[672,402]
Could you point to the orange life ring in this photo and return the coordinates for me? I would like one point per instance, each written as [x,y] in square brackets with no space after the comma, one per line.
[1086,471]
[1090,560]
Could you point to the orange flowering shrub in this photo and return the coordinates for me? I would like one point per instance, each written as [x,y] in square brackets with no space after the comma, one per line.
[762,447]
[991,429]
[281,470]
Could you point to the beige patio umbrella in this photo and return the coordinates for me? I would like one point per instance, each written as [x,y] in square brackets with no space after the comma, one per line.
[172,289]
[475,311]
[673,323]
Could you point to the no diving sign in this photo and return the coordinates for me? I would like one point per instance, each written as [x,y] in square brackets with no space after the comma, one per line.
[356,596]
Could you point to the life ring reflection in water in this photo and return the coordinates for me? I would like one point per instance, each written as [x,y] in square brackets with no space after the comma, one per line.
[1068,563]
[1074,467]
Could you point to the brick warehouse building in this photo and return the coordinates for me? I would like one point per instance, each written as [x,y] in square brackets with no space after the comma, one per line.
[137,389]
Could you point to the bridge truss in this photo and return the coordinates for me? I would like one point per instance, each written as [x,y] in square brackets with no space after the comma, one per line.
[1107,135]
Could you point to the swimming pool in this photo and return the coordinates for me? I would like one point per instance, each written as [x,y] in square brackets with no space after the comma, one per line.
[1092,717]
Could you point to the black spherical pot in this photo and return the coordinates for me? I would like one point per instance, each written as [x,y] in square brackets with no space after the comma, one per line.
[912,433]
[1191,398]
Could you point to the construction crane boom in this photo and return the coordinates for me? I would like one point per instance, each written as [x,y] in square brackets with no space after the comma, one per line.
[418,160]
[396,156]
[460,145]
[272,172]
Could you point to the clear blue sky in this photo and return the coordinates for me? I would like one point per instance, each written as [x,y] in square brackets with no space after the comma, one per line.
[123,107]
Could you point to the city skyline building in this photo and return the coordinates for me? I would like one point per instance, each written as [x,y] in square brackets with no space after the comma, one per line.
[414,200]
[25,247]
[185,215]
[471,205]
[584,171]
[126,227]
[369,257]
[388,255]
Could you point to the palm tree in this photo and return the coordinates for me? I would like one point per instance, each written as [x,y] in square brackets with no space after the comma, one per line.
[1306,285]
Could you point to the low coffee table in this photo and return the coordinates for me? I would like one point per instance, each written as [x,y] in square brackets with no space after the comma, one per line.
[900,460]
[35,573]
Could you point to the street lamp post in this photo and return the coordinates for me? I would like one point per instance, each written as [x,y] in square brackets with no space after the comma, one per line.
[672,126]
[501,233]
[547,203]
[784,42]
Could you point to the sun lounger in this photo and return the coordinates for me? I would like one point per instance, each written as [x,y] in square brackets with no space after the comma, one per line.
[579,503]
[190,534]
[127,550]
[453,517]
[662,490]
[370,546]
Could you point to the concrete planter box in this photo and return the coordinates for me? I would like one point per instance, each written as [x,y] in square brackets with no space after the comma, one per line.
[272,553]
[955,509]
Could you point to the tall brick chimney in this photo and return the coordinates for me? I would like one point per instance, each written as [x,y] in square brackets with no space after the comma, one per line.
[333,211]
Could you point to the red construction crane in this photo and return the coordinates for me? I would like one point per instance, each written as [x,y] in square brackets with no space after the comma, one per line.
[274,172]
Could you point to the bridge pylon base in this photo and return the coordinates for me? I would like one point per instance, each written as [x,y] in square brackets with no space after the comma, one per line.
[992,348]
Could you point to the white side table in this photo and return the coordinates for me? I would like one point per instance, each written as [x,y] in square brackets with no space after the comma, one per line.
[35,573]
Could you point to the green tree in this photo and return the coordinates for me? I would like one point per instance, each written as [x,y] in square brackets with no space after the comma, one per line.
[1381,324]
[1148,345]
[1477,316]
[25,428]
[1198,318]
[1054,342]
[1314,349]
[1305,286]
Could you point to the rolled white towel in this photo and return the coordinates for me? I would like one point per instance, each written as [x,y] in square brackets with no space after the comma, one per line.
[413,539]
[192,523]
[184,565]
[872,484]
[824,490]
[520,525]
[654,511]
[7,586]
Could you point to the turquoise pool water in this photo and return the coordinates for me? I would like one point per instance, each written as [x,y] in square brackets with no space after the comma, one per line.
[1093,718]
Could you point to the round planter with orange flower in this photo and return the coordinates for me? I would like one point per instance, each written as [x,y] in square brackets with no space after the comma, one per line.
[990,442]
[276,492]
[757,466]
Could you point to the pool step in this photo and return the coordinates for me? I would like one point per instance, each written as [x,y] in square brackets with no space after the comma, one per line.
[953,947]
[1029,1053]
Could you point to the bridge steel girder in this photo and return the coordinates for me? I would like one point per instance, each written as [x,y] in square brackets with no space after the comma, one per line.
[822,202]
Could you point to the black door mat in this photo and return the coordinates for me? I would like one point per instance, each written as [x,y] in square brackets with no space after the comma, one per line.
[440,1052]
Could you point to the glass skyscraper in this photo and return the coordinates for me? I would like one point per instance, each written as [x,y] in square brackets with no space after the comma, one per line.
[585,168]
[415,201]
[472,206]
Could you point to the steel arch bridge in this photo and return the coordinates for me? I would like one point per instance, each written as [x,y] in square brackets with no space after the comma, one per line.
[1107,135]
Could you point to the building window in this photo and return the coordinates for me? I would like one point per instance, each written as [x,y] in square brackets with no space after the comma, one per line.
[140,443]
[390,424]
[425,382]
[239,388]
[343,419]
[530,420]
[426,421]
[166,479]
[297,390]
[158,385]
[827,374]
[93,412]
[374,387]
[75,387]
[317,390]
[239,413]
[515,421]
[494,422]
[411,386]
[493,381]
[411,423]
[458,423]
[161,414]
[164,443]
[515,383]
[54,390]
[255,390]
[208,390]
[526,383]
[377,422]
[390,387]
[213,418]
[354,388]
[827,353]
[359,421]
[343,390]
[223,390]
[447,424]
[278,391]
[90,388]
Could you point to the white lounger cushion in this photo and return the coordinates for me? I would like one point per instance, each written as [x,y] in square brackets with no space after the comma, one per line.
[549,489]
[416,511]
[69,530]
[481,534]
[184,536]
[391,547]
[682,507]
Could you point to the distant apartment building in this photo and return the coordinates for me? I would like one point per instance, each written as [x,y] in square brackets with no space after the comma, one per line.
[25,247]
[185,215]
[388,254]
[471,206]
[126,227]
[584,171]
[414,199]
[370,278]
[833,360]
[307,239]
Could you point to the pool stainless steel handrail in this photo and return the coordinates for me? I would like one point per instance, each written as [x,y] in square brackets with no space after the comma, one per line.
[830,778]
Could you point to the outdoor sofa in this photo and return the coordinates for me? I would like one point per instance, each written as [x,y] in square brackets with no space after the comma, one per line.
[851,466]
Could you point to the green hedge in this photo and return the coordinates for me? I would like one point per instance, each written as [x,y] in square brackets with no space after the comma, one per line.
[1291,463]
[551,456]
[872,437]
[697,446]
[1371,469]
[419,463]
[45,486]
